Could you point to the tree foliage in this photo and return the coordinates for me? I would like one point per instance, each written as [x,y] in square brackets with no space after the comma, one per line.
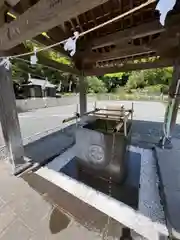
[95,85]
[153,80]
[157,79]
[136,80]
[158,76]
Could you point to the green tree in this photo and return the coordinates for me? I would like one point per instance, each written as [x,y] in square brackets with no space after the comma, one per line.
[158,76]
[136,80]
[156,80]
[95,85]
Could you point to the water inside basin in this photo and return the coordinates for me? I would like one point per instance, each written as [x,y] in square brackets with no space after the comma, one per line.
[127,192]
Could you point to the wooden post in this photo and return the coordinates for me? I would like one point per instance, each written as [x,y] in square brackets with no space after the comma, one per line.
[82,94]
[172,107]
[9,120]
[176,78]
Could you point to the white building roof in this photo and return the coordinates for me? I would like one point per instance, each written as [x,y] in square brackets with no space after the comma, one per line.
[40,82]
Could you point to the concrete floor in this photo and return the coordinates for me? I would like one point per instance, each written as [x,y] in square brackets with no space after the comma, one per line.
[20,198]
[35,209]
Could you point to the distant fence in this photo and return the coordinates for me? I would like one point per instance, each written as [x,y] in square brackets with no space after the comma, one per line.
[36,103]
[142,97]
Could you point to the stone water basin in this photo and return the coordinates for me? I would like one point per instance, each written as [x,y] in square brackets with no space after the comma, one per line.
[102,152]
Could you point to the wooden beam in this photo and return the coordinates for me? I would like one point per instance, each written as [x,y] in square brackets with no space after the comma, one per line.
[44,60]
[3,10]
[176,77]
[146,29]
[12,3]
[165,46]
[116,53]
[128,67]
[82,94]
[41,17]
[56,65]
[47,41]
[25,4]
[57,34]
[42,39]
[172,91]
[1,3]
[130,59]
[127,34]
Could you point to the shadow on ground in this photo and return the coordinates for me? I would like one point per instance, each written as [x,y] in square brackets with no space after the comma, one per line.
[58,221]
[50,146]
[146,134]
[84,214]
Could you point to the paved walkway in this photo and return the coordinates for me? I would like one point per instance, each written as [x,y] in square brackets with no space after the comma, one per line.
[33,208]
[46,212]
[169,170]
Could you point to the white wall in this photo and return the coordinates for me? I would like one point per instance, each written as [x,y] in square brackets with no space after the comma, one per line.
[36,103]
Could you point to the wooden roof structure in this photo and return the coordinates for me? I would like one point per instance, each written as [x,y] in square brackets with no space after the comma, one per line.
[134,42]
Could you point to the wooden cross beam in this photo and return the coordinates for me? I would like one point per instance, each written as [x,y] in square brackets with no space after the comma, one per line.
[145,57]
[56,65]
[44,60]
[3,10]
[48,41]
[1,3]
[129,67]
[116,53]
[12,2]
[41,17]
[127,34]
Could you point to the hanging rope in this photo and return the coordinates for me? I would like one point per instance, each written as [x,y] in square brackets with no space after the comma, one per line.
[118,17]
[40,64]
[70,43]
[6,63]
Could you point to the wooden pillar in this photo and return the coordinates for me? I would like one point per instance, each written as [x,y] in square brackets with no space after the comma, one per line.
[172,107]
[82,94]
[172,90]
[9,119]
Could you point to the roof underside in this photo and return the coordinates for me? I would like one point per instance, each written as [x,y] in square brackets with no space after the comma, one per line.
[137,41]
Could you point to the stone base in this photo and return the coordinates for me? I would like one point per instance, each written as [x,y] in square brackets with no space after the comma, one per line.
[165,143]
[21,168]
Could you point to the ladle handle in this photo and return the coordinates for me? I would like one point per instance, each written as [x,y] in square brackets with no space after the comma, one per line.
[71,118]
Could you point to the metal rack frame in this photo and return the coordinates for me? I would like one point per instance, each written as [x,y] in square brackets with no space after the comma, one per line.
[102,113]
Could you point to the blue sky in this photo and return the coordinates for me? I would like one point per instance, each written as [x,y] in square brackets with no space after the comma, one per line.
[164,6]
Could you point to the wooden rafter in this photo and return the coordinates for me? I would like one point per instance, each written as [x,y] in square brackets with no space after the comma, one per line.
[12,2]
[130,59]
[25,4]
[41,17]
[117,53]
[44,60]
[45,40]
[1,3]
[56,65]
[57,34]
[3,10]
[127,34]
[129,67]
